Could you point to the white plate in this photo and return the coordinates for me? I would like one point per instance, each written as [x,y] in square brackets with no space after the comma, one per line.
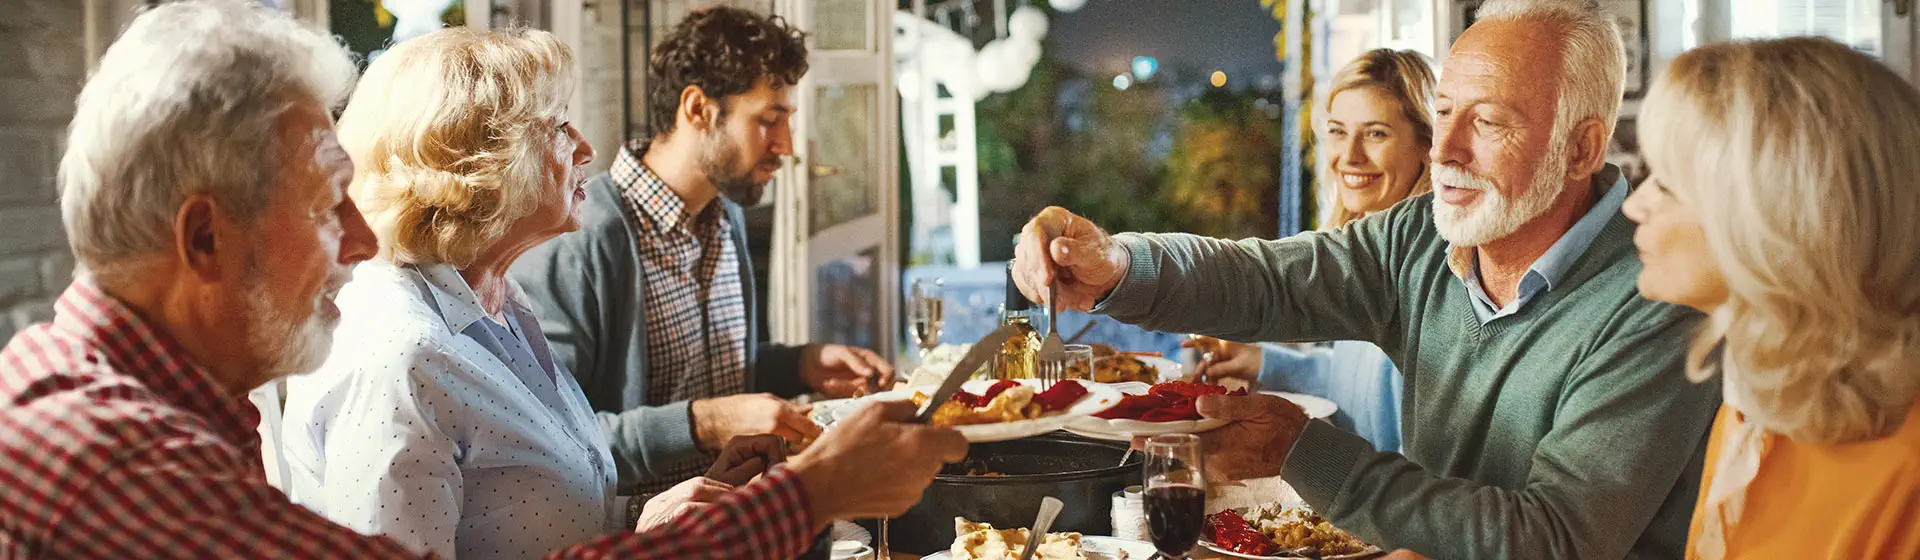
[1124,429]
[1099,396]
[1316,407]
[1370,552]
[1096,547]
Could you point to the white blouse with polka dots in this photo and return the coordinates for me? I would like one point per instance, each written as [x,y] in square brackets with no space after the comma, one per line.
[445,429]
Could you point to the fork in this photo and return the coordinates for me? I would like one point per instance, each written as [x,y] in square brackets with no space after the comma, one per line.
[1050,364]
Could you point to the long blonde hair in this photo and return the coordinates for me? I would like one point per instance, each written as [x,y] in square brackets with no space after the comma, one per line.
[1403,76]
[1798,156]
[449,132]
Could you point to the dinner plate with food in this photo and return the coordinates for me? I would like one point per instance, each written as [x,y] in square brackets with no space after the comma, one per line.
[981,541]
[1162,408]
[1279,531]
[984,410]
[1113,366]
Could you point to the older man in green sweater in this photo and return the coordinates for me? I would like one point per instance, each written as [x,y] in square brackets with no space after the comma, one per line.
[1546,411]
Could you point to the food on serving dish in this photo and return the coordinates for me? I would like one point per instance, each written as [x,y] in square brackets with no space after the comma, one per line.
[1172,401]
[1114,367]
[1269,529]
[980,541]
[1005,401]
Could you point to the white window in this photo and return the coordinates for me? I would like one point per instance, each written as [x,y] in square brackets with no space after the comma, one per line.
[1854,22]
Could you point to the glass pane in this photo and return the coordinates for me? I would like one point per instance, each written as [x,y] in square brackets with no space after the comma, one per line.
[369,26]
[1854,22]
[842,143]
[846,298]
[840,25]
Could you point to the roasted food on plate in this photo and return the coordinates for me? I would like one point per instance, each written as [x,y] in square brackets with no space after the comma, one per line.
[1269,529]
[1005,401]
[1113,367]
[1172,401]
[980,541]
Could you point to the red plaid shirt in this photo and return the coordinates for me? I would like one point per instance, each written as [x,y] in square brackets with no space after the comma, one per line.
[114,445]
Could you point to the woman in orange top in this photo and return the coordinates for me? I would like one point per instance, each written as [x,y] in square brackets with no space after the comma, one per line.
[1784,201]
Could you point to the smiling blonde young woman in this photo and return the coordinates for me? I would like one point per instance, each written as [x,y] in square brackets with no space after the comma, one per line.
[1783,203]
[1374,141]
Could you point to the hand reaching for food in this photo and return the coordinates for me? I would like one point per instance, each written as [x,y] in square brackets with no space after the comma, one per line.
[1225,359]
[717,420]
[1087,260]
[1260,431]
[841,371]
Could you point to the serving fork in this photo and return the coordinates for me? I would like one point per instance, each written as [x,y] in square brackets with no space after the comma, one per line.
[1050,363]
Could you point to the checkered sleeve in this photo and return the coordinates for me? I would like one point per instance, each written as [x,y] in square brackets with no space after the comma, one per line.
[765,519]
[186,497]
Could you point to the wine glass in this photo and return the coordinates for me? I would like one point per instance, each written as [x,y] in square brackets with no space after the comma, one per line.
[1176,494]
[924,311]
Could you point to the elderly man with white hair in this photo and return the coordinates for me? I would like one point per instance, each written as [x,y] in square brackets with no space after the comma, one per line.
[205,197]
[1546,413]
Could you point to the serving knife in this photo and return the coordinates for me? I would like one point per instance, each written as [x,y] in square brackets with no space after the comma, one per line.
[985,349]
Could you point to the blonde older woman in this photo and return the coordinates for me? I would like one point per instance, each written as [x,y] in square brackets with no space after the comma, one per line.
[441,418]
[1782,202]
[1374,139]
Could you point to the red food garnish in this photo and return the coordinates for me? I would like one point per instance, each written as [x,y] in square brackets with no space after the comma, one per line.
[1060,396]
[977,401]
[1172,401]
[1230,531]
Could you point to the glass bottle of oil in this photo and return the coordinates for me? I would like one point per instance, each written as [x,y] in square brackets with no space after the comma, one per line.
[1016,354]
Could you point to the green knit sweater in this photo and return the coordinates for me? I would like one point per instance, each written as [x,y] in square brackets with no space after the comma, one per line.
[1567,430]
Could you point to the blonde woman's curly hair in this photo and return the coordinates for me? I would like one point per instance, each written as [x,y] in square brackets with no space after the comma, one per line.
[1798,156]
[449,133]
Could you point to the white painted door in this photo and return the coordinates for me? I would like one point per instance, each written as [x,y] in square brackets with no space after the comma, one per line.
[836,259]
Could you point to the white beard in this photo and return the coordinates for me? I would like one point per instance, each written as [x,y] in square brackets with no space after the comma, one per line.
[1494,216]
[288,347]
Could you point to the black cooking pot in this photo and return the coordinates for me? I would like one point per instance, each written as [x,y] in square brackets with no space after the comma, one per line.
[1084,473]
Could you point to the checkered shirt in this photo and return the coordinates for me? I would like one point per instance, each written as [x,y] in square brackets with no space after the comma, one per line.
[114,445]
[696,313]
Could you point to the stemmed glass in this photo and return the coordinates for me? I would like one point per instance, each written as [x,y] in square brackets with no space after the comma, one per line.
[1176,494]
[924,311]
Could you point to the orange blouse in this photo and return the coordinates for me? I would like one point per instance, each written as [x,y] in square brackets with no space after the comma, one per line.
[1856,500]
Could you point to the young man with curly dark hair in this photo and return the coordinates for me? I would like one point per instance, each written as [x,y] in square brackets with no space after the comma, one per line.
[651,304]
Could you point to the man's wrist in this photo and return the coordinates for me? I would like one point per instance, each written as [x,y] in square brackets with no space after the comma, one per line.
[809,359]
[815,487]
[1119,257]
[699,416]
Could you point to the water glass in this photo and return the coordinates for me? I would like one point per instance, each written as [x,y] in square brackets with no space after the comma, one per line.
[1079,362]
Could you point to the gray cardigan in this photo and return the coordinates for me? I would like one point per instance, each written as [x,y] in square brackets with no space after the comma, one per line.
[587,288]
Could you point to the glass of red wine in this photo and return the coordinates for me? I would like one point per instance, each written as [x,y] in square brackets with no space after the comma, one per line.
[1176,494]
